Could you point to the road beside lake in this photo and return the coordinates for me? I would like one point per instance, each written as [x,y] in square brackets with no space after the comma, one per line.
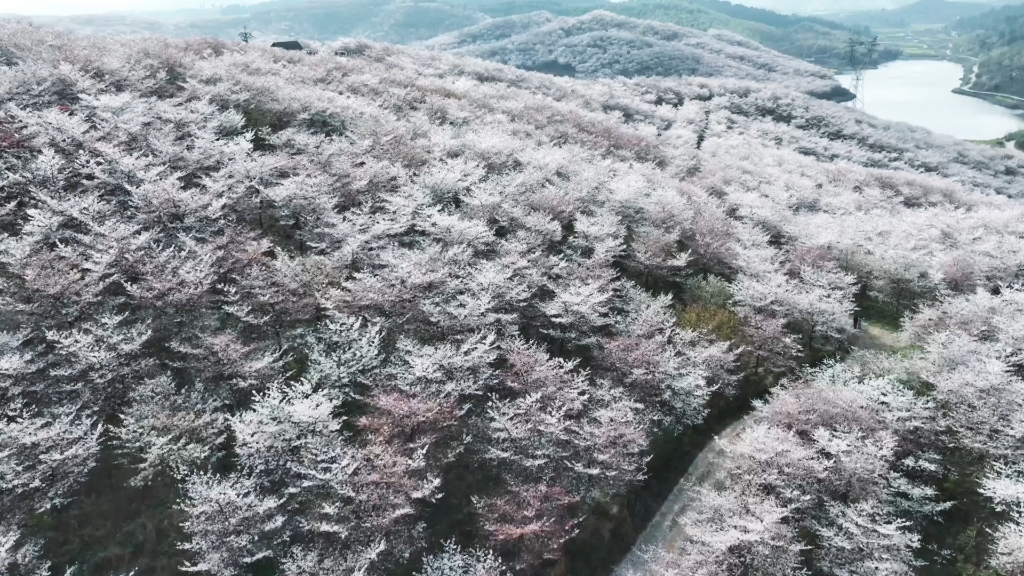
[920,92]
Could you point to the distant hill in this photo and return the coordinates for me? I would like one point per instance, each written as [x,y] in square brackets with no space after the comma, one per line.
[808,38]
[395,22]
[828,6]
[820,6]
[920,13]
[319,20]
[996,38]
[603,44]
[994,28]
[724,8]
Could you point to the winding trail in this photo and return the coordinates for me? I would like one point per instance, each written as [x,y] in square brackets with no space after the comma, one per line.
[664,533]
[970,88]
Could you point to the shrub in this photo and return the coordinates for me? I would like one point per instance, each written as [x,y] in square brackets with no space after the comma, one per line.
[720,322]
[708,292]
[326,124]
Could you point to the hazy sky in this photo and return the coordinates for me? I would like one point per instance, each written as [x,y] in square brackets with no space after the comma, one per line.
[66,7]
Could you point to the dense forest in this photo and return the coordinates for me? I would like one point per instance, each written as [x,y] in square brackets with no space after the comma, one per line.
[1002,71]
[390,310]
[997,39]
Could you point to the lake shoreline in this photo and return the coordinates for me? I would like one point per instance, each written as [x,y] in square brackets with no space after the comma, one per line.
[929,93]
[991,99]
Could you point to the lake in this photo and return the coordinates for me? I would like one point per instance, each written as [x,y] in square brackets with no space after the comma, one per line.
[919,92]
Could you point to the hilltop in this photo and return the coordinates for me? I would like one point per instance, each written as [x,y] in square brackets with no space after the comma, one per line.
[387,309]
[603,44]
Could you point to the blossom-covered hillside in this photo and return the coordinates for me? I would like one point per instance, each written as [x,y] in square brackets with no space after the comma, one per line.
[603,44]
[401,311]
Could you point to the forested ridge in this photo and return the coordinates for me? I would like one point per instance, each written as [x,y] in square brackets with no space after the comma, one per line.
[815,39]
[997,39]
[919,13]
[404,22]
[603,44]
[390,310]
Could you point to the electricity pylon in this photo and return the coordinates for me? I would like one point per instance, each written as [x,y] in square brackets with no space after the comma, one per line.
[860,56]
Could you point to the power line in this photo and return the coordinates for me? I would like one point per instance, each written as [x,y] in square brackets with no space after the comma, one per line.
[860,56]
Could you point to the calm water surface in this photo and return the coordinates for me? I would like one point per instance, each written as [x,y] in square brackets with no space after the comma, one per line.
[918,92]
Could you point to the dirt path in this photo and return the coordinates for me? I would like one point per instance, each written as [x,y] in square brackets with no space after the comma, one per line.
[663,531]
[874,337]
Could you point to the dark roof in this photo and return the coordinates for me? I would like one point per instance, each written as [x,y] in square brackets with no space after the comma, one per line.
[289,45]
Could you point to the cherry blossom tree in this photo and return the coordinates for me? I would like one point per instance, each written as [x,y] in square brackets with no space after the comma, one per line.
[453,561]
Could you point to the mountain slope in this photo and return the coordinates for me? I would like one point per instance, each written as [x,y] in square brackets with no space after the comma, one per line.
[996,38]
[401,310]
[603,44]
[920,13]
[813,39]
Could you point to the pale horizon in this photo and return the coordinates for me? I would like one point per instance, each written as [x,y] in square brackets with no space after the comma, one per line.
[83,7]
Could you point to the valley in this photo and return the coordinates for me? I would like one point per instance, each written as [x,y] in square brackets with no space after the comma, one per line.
[959,52]
[921,92]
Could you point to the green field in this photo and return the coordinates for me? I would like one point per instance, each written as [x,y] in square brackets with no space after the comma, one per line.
[918,42]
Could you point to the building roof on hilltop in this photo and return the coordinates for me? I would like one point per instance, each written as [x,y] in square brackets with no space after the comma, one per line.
[287,45]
